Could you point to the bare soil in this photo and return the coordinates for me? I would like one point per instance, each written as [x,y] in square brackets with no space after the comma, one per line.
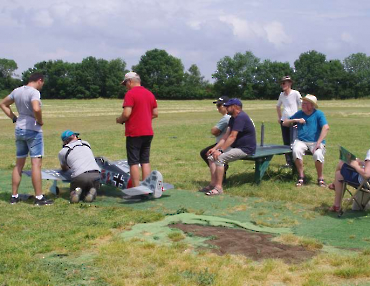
[254,245]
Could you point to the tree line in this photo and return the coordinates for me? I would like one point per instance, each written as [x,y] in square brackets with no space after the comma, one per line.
[244,76]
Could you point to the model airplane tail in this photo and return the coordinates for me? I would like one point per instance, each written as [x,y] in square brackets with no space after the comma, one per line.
[152,185]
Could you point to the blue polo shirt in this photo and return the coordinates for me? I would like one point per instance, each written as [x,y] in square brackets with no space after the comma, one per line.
[311,130]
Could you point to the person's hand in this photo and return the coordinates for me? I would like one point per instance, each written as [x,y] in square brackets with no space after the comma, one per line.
[216,154]
[300,120]
[211,151]
[317,146]
[40,123]
[279,120]
[119,121]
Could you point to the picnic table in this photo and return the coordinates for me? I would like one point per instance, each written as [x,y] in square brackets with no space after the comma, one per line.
[263,156]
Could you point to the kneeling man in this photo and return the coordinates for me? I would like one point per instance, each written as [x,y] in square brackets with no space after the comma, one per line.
[312,130]
[77,155]
[238,142]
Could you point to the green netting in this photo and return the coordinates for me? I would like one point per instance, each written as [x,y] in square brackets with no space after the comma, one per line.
[160,231]
[350,231]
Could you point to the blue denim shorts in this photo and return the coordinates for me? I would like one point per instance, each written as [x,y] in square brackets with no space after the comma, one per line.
[350,175]
[29,141]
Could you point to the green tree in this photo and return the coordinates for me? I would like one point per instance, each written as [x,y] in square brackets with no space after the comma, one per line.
[310,70]
[91,78]
[161,73]
[357,67]
[57,78]
[7,80]
[267,80]
[194,84]
[116,70]
[235,76]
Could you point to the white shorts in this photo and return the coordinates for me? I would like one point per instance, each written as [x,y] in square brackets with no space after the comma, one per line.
[300,147]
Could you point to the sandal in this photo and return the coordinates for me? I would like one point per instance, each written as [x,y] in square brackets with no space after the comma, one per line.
[334,209]
[331,186]
[206,189]
[300,182]
[321,183]
[214,192]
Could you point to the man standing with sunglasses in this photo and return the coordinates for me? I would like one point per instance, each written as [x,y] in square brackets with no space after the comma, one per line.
[291,100]
[139,108]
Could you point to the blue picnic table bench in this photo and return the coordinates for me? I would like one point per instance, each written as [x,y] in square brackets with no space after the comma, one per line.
[263,156]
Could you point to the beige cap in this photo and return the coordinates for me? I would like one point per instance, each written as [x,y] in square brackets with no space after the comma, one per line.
[311,98]
[130,75]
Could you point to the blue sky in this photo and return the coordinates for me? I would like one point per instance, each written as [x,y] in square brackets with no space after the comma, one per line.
[198,32]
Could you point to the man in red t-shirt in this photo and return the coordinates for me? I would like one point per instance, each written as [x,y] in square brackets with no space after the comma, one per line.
[139,108]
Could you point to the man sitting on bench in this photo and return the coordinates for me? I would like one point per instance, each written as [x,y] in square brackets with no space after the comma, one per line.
[238,142]
[312,130]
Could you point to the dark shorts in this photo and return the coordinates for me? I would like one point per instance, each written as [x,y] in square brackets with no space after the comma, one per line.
[138,149]
[349,175]
[86,181]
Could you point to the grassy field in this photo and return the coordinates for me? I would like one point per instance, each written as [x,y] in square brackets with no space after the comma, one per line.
[81,245]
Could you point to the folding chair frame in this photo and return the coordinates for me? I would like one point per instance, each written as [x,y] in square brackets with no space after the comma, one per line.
[364,188]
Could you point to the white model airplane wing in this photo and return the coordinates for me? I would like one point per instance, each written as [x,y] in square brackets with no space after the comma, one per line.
[50,174]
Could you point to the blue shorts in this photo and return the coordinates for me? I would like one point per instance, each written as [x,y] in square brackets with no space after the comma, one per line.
[29,141]
[349,175]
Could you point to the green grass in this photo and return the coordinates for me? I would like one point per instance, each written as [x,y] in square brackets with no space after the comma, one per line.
[79,244]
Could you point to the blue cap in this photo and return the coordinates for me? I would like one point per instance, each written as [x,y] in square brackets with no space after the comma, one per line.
[233,101]
[68,133]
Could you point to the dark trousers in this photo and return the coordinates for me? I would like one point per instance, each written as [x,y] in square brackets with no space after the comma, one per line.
[289,135]
[203,153]
[85,181]
[204,156]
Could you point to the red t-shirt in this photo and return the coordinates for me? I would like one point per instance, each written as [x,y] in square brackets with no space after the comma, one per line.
[142,102]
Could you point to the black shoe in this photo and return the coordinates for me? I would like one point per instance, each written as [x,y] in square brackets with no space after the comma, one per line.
[14,200]
[91,195]
[75,196]
[43,202]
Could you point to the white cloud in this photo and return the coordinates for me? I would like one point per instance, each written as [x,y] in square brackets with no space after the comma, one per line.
[276,34]
[273,32]
[196,31]
[347,37]
[43,18]
[58,54]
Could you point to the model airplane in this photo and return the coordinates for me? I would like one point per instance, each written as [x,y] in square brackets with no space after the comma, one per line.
[116,174]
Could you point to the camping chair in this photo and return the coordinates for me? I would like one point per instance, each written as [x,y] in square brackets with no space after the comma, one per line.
[360,196]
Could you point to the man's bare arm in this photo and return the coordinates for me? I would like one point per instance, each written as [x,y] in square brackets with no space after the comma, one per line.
[5,106]
[126,113]
[36,106]
[155,113]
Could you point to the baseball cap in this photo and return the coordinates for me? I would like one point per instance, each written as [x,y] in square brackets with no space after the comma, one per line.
[130,75]
[68,133]
[222,100]
[233,101]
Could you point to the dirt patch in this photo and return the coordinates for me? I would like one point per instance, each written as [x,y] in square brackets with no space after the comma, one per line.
[254,245]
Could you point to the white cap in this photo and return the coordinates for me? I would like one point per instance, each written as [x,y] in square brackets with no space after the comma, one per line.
[130,75]
[311,98]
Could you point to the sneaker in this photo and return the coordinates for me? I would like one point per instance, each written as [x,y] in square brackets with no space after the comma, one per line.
[91,195]
[14,200]
[43,202]
[75,195]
